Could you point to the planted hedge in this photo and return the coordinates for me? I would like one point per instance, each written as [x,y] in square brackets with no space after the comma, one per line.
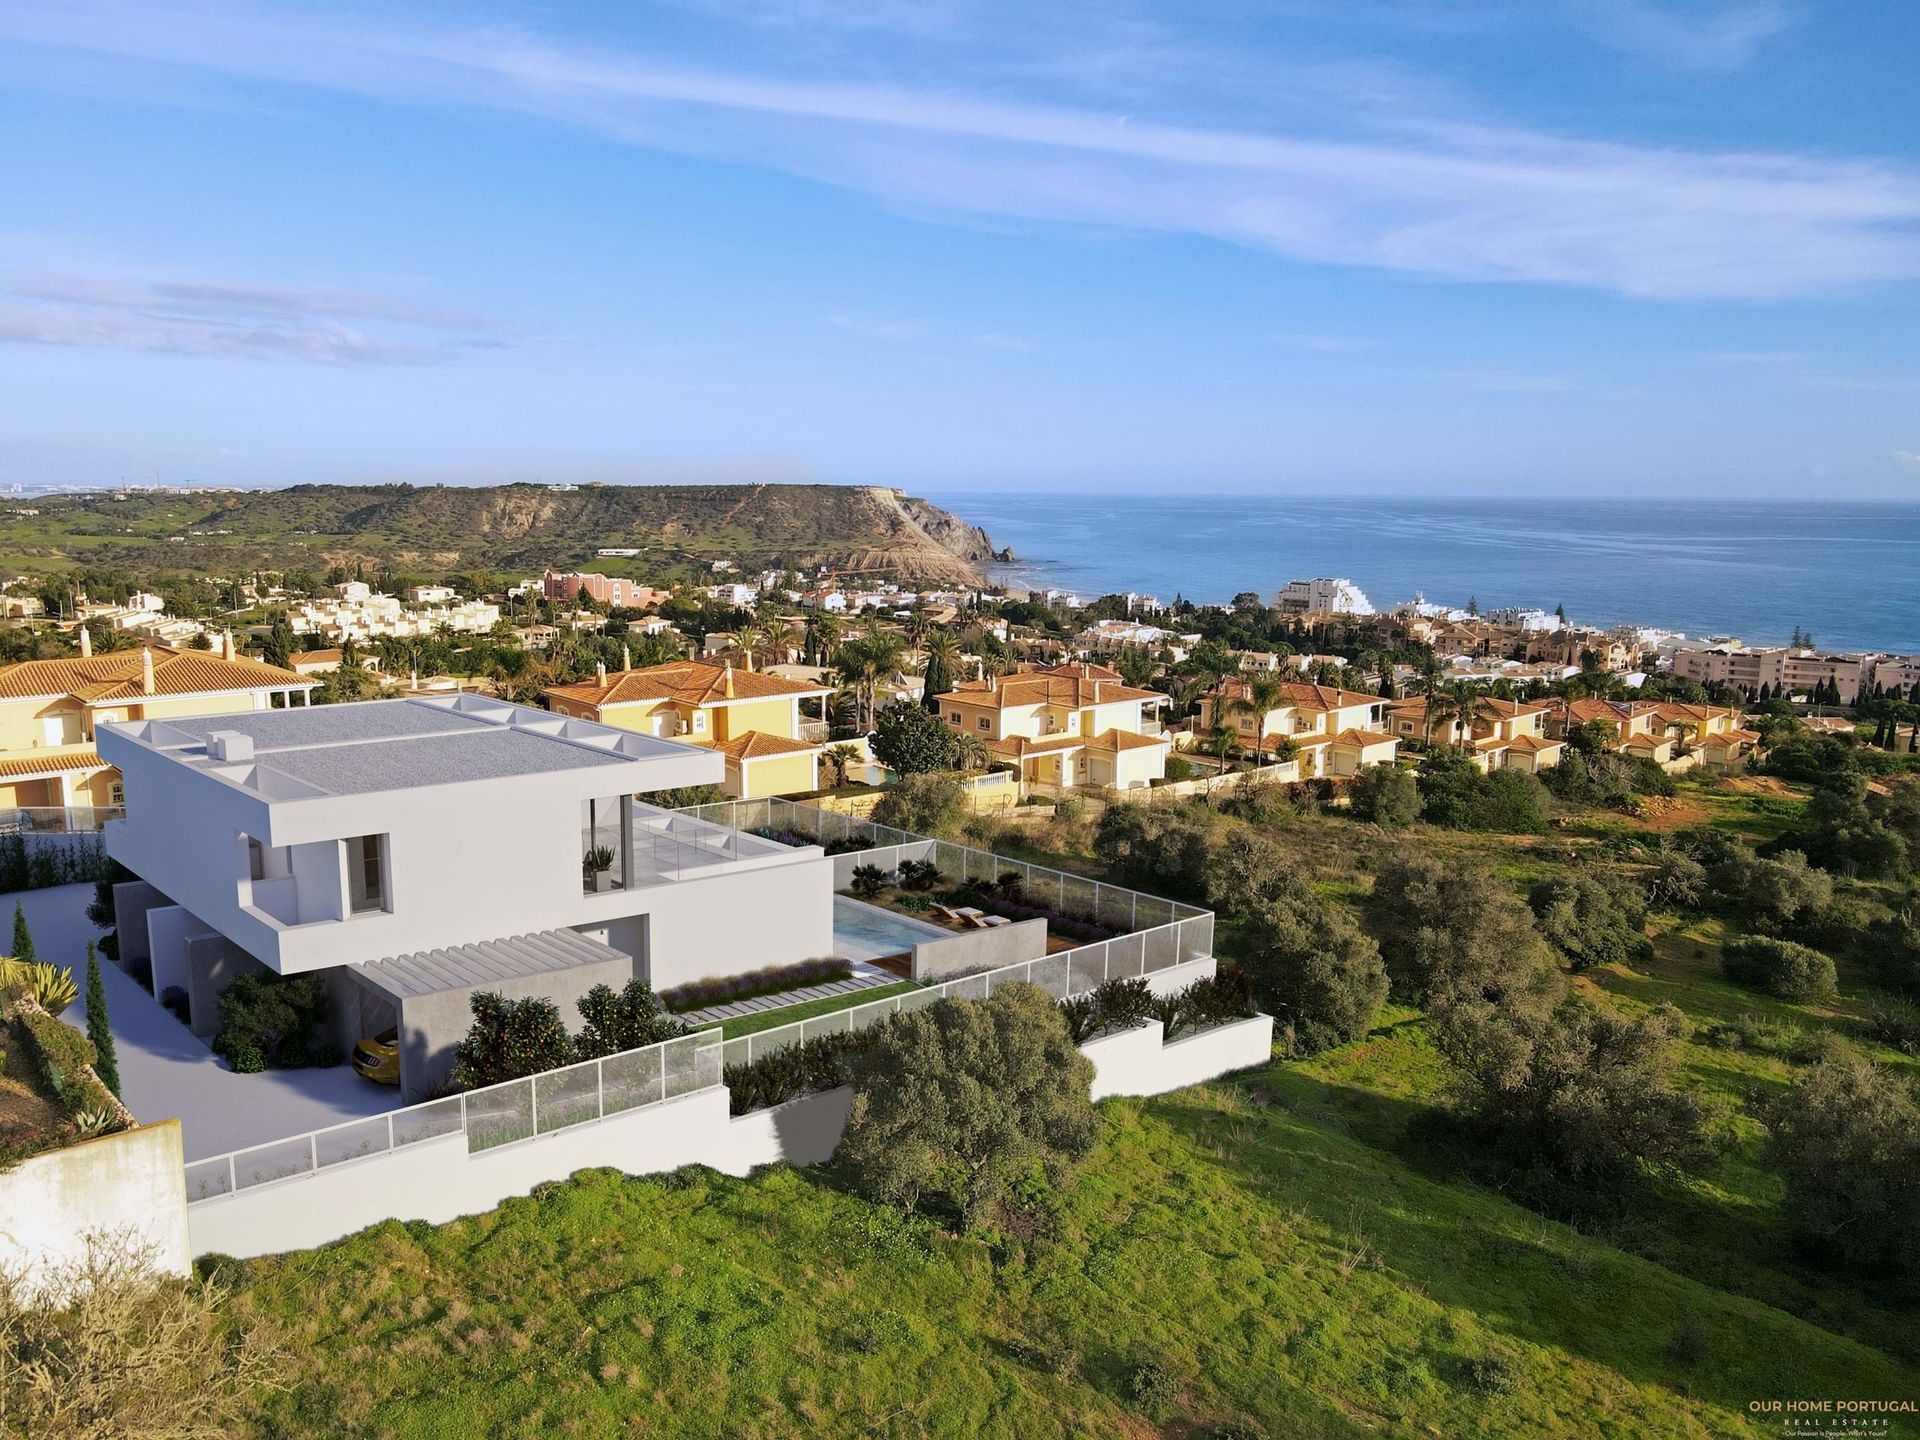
[64,1061]
[65,860]
[725,989]
[828,1061]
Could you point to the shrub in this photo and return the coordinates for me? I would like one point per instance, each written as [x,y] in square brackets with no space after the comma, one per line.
[1895,1024]
[1569,1108]
[957,1101]
[509,1039]
[918,875]
[1847,1140]
[1154,1387]
[1163,851]
[175,1002]
[1592,918]
[1220,998]
[1387,795]
[280,1016]
[51,985]
[1081,1015]
[1770,891]
[623,1020]
[772,980]
[1456,933]
[931,804]
[1172,1013]
[1455,793]
[822,1063]
[1676,882]
[59,1052]
[1779,967]
[110,1348]
[1121,1005]
[869,882]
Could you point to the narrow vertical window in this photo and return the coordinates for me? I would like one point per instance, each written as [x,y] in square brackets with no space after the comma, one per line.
[366,873]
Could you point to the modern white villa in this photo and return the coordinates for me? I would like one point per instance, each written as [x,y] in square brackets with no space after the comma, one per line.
[413,851]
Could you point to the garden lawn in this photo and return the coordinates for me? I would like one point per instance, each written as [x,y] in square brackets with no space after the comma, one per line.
[807,1009]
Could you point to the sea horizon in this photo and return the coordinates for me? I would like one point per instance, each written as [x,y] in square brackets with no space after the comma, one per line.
[1842,570]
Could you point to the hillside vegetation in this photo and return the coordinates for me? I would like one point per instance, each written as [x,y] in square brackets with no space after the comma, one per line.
[857,529]
[1295,1251]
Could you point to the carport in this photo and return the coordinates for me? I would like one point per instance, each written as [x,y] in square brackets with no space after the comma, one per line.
[430,992]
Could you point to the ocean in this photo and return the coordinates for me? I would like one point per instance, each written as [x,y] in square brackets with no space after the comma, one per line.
[1847,573]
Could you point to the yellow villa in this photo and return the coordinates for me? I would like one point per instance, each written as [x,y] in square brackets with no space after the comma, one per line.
[1332,731]
[1665,731]
[48,710]
[1497,734]
[750,718]
[1065,725]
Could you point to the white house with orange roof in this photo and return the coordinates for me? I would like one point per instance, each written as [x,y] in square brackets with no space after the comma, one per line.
[1066,725]
[1332,731]
[1496,733]
[49,708]
[751,719]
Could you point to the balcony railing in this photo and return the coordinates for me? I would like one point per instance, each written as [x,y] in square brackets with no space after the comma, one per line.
[58,820]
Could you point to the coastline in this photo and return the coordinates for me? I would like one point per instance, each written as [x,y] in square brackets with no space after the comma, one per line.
[1843,571]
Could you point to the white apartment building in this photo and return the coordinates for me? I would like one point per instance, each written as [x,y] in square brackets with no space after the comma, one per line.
[1748,667]
[411,852]
[376,615]
[1323,595]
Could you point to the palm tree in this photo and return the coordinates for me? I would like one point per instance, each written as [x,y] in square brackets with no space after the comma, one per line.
[823,634]
[751,639]
[1258,697]
[970,752]
[1220,739]
[861,663]
[840,759]
[1456,704]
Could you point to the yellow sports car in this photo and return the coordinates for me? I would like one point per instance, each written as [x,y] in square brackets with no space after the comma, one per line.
[378,1057]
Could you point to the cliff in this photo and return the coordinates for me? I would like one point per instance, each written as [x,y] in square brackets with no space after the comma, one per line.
[853,530]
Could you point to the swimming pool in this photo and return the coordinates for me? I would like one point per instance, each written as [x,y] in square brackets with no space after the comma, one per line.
[862,931]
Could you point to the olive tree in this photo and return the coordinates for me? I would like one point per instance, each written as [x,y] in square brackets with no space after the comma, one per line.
[1847,1139]
[1452,933]
[955,1102]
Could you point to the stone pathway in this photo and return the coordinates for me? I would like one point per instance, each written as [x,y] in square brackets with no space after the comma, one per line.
[864,978]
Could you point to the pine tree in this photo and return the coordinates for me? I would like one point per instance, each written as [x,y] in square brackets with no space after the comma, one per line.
[22,937]
[106,1064]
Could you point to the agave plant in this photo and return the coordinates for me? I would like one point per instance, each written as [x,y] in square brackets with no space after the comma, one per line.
[89,1123]
[52,985]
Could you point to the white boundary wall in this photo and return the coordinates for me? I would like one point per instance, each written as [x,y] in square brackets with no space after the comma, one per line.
[127,1183]
[438,1180]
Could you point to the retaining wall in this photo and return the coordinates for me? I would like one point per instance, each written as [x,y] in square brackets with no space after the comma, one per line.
[970,950]
[132,1182]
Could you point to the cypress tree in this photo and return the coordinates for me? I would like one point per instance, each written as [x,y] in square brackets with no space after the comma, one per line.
[22,937]
[106,1064]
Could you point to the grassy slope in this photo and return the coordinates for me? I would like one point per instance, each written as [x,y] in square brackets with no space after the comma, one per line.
[1273,1239]
[1287,1268]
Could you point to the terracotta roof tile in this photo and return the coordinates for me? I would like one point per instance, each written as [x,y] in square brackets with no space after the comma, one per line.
[118,676]
[687,681]
[52,760]
[758,745]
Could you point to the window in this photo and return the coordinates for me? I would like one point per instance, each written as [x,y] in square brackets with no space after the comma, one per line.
[116,793]
[256,859]
[983,723]
[699,722]
[366,873]
[953,717]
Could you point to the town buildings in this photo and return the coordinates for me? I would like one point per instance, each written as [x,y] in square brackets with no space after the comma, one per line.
[752,720]
[1495,733]
[49,711]
[1322,596]
[1064,725]
[611,590]
[1779,667]
[1331,731]
[411,852]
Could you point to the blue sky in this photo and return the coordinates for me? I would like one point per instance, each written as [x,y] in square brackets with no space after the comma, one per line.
[1313,246]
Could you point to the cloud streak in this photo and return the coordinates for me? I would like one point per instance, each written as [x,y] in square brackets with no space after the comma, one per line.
[1444,200]
[257,322]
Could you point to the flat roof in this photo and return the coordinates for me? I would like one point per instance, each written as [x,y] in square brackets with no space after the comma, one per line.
[467,967]
[380,745]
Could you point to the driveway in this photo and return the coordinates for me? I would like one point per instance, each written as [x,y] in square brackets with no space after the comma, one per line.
[167,1071]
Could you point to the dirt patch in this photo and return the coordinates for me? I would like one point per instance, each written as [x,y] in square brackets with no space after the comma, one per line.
[1756,785]
[22,1106]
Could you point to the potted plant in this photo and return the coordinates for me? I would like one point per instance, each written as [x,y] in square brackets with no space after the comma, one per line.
[594,866]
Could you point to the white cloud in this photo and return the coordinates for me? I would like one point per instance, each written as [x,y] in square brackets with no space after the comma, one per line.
[193,317]
[1436,197]
[1700,35]
[1907,457]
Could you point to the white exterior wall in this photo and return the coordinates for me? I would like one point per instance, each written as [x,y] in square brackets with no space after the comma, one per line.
[128,1183]
[1138,1063]
[467,862]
